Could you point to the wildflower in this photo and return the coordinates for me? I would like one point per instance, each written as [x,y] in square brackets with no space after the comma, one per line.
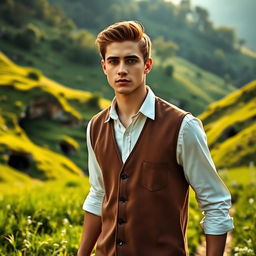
[64,241]
[251,201]
[65,221]
[63,232]
[29,221]
[27,243]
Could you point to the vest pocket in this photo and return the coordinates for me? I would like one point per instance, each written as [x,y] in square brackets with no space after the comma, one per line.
[154,176]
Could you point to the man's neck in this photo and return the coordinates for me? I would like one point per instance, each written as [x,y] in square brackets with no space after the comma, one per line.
[129,105]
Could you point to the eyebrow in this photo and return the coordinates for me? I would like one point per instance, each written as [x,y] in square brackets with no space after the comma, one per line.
[126,57]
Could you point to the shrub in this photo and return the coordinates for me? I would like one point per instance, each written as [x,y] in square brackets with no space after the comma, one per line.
[30,36]
[82,48]
[169,70]
[94,100]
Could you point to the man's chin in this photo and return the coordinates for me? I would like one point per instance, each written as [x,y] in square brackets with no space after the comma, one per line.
[123,91]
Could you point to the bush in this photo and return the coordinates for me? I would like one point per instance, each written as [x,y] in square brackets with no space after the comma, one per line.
[58,44]
[30,36]
[169,70]
[94,100]
[83,55]
[82,48]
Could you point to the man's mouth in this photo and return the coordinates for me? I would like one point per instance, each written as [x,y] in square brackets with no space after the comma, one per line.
[122,81]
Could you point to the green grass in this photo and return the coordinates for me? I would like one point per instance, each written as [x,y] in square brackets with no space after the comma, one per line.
[46,218]
[242,175]
[242,183]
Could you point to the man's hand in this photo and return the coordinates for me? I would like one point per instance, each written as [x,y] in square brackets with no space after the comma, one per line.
[91,232]
[215,244]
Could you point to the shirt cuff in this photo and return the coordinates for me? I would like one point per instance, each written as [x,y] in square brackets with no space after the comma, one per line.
[92,208]
[93,203]
[217,225]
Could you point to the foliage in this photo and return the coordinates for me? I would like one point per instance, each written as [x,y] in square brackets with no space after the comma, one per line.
[189,28]
[169,69]
[244,237]
[29,37]
[42,158]
[82,48]
[43,220]
[165,50]
[242,184]
[94,100]
[230,127]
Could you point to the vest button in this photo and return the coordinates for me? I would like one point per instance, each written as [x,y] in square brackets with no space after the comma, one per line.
[121,221]
[124,176]
[122,199]
[120,242]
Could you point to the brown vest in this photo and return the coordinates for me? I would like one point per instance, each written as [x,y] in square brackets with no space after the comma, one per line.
[144,211]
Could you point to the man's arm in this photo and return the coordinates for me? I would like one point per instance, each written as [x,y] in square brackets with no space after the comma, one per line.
[92,204]
[212,195]
[91,232]
[215,244]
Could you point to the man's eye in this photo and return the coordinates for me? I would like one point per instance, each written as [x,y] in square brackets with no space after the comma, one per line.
[113,62]
[131,61]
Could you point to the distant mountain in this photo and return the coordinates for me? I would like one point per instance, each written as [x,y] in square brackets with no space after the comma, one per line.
[230,125]
[239,14]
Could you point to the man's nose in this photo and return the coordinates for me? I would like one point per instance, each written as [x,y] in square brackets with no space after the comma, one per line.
[122,70]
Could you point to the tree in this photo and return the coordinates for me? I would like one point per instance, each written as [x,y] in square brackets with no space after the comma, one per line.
[241,43]
[30,36]
[165,49]
[226,37]
[201,17]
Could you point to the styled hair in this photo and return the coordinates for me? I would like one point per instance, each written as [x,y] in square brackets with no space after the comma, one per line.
[124,31]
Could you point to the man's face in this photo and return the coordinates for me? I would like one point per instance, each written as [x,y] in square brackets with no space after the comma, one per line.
[124,67]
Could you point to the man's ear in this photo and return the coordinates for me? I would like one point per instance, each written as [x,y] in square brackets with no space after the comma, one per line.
[103,65]
[148,65]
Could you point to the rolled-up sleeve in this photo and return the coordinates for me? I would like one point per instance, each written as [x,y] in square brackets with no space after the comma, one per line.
[93,201]
[213,197]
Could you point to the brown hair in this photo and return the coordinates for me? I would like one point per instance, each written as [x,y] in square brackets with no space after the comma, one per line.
[124,31]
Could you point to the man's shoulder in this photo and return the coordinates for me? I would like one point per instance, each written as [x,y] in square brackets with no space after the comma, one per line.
[102,115]
[168,107]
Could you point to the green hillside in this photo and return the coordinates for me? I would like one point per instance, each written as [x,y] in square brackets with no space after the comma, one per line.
[215,49]
[231,128]
[42,124]
[189,86]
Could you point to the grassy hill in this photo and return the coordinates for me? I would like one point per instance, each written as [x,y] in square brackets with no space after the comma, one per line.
[53,44]
[216,49]
[189,87]
[231,128]
[42,124]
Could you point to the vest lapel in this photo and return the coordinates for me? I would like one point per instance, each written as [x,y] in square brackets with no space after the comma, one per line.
[135,146]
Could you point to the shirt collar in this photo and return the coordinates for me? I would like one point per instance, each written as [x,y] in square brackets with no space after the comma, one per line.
[147,108]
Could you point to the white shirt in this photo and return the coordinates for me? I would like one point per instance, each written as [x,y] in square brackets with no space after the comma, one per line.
[192,154]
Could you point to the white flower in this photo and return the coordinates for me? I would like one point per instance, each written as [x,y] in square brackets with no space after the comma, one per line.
[251,201]
[65,221]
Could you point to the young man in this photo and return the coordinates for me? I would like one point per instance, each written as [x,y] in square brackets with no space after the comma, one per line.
[143,155]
